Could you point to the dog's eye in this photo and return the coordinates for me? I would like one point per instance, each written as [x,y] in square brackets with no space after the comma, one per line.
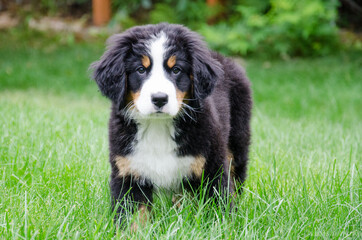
[141,70]
[176,70]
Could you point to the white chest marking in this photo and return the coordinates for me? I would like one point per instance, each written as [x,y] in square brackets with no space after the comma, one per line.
[154,156]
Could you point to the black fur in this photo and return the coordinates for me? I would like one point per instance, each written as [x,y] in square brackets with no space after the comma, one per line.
[219,91]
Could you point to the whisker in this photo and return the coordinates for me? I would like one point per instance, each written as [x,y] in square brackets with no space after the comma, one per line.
[184,111]
[189,107]
[128,110]
[190,116]
[128,104]
[182,115]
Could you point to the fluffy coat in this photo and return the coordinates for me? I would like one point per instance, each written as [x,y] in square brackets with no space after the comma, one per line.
[180,113]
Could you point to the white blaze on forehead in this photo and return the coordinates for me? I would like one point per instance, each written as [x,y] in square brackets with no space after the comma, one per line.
[157,80]
[158,49]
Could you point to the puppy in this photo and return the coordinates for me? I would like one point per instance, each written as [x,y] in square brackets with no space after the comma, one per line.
[180,114]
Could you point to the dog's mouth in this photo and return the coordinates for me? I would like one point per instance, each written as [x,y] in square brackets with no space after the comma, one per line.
[155,114]
[158,115]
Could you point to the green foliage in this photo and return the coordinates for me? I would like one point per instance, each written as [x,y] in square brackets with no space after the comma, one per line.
[287,28]
[163,13]
[130,13]
[191,13]
[275,27]
[56,6]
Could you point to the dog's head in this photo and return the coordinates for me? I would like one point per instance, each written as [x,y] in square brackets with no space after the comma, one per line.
[156,68]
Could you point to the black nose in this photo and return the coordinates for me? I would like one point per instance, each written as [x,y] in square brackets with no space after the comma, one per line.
[159,99]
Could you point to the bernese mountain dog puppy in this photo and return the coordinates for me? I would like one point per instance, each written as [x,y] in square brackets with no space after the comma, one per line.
[180,114]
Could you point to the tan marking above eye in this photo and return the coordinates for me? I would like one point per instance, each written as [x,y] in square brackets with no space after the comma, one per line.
[146,62]
[171,61]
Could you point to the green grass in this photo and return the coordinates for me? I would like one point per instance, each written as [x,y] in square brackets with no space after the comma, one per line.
[304,179]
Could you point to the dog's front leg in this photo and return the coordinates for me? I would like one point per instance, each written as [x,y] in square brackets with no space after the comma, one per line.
[128,196]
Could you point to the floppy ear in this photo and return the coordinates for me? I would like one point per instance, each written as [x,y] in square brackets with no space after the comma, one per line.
[110,72]
[206,70]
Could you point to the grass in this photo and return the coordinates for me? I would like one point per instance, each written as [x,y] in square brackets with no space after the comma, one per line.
[304,179]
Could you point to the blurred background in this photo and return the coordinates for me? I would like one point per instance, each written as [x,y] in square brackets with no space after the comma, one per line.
[282,28]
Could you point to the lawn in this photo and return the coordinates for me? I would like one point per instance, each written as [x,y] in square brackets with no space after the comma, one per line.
[305,174]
